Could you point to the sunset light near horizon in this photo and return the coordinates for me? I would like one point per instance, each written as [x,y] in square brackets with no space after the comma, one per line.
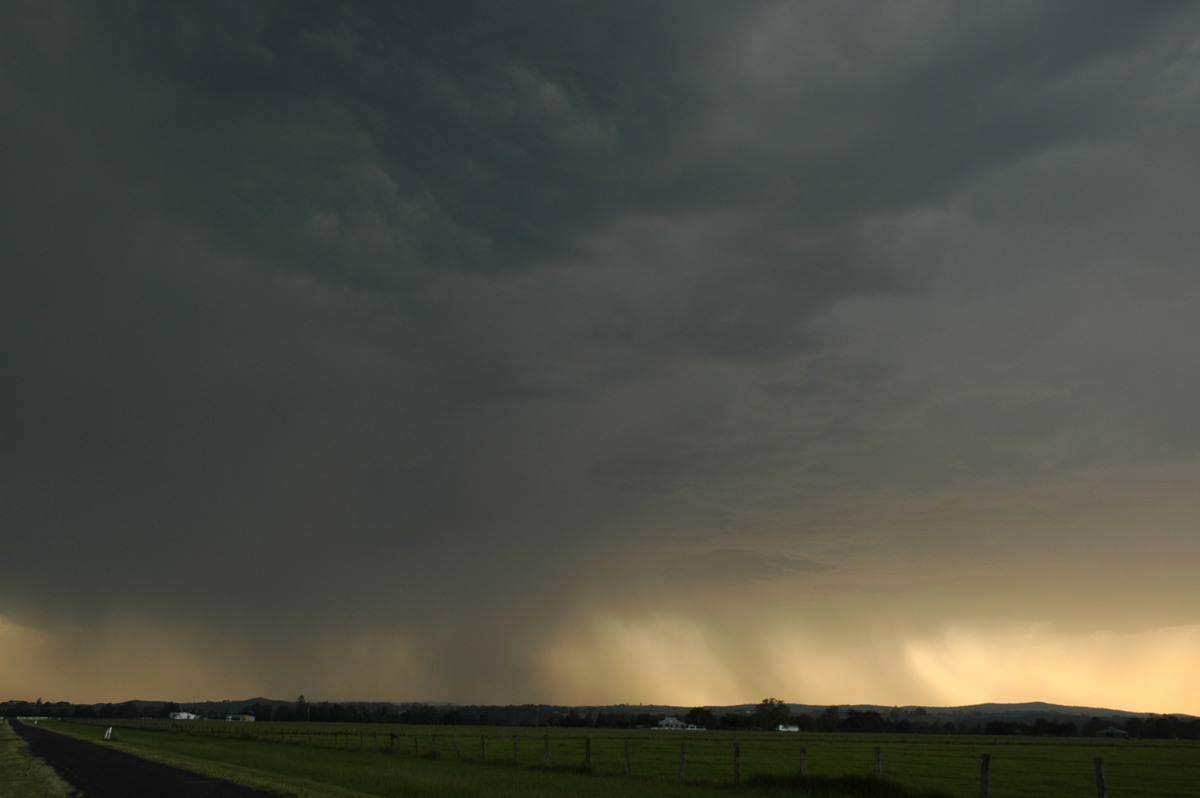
[672,352]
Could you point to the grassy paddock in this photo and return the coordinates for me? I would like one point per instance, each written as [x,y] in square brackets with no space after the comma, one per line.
[23,775]
[315,771]
[1020,766]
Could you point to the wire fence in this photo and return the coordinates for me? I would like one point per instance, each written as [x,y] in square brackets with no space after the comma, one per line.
[719,757]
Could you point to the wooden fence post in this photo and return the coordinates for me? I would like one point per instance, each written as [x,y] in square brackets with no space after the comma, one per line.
[803,760]
[628,765]
[457,750]
[682,759]
[587,752]
[878,762]
[516,751]
[546,742]
[483,746]
[1101,787]
[737,763]
[985,775]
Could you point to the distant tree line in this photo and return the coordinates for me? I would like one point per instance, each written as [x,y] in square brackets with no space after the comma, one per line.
[770,714]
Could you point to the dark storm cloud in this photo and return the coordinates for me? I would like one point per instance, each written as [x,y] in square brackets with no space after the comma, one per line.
[469,131]
[379,298]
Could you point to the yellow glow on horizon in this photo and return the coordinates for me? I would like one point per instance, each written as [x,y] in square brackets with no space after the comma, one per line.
[661,658]
[369,667]
[119,661]
[134,658]
[673,659]
[812,669]
[1152,671]
[653,657]
[22,653]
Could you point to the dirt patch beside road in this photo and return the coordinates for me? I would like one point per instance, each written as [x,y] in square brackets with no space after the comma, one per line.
[97,771]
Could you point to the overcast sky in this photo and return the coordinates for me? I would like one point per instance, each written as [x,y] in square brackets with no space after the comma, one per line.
[591,352]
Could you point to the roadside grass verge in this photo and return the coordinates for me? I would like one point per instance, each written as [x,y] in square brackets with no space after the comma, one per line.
[23,775]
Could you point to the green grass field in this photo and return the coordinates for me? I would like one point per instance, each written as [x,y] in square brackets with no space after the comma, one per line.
[25,776]
[343,759]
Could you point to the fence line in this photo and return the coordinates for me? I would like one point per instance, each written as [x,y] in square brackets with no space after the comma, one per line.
[355,738]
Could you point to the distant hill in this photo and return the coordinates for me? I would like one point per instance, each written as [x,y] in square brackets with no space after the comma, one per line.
[969,718]
[1016,711]
[1029,709]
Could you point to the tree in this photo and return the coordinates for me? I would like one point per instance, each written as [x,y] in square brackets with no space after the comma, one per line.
[259,710]
[736,720]
[573,720]
[830,720]
[771,713]
[864,721]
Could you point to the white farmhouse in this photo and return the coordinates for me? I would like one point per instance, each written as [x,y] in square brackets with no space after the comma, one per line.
[673,722]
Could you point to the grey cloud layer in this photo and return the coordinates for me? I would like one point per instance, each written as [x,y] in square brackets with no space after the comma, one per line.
[379,297]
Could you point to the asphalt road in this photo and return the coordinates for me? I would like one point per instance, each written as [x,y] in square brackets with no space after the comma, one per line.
[97,771]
